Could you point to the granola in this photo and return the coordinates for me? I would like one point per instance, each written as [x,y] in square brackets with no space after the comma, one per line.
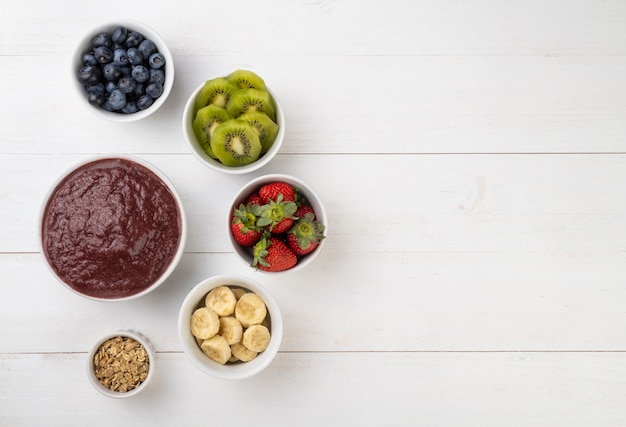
[121,364]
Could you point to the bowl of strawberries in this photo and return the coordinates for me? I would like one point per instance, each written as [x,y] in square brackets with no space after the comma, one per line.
[277,223]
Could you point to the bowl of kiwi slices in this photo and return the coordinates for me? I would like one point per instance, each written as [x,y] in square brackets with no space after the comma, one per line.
[234,124]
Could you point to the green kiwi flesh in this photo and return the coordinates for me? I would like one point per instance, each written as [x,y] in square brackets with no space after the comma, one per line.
[215,92]
[264,127]
[245,79]
[250,101]
[204,124]
[235,143]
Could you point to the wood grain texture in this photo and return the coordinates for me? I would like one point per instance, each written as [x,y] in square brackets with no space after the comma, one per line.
[471,157]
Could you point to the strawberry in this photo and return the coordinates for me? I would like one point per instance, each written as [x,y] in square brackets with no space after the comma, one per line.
[305,235]
[277,216]
[243,236]
[303,210]
[243,224]
[272,254]
[272,190]
[254,198]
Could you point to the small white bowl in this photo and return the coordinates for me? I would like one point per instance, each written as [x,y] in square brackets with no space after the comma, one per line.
[206,160]
[84,46]
[245,254]
[91,367]
[182,222]
[238,370]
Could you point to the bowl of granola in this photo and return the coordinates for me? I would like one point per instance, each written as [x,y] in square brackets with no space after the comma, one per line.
[121,364]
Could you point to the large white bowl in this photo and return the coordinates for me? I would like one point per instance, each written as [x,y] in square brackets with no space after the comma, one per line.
[84,45]
[239,370]
[206,160]
[245,254]
[91,373]
[182,223]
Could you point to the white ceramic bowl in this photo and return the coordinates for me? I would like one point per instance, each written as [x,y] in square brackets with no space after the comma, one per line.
[238,370]
[91,367]
[245,254]
[84,45]
[206,160]
[182,224]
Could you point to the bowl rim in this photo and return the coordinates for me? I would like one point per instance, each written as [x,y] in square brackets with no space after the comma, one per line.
[215,165]
[145,30]
[141,339]
[166,181]
[193,351]
[312,197]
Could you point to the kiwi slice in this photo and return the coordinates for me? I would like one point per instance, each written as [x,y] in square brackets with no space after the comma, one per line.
[251,101]
[216,92]
[264,127]
[235,143]
[245,79]
[204,124]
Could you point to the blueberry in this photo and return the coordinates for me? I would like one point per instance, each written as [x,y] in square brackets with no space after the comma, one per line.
[126,84]
[117,99]
[134,56]
[103,54]
[89,59]
[89,74]
[102,39]
[119,35]
[110,87]
[96,98]
[120,57]
[96,94]
[157,76]
[147,48]
[154,90]
[130,108]
[140,73]
[96,87]
[156,60]
[138,92]
[144,102]
[111,72]
[107,106]
[133,39]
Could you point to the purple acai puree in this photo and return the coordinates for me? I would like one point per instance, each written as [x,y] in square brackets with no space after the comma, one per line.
[111,228]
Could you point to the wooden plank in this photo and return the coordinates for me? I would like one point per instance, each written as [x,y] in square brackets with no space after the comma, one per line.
[353,302]
[453,104]
[395,203]
[312,389]
[327,27]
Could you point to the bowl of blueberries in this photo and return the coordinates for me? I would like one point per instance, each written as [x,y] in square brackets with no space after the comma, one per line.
[122,71]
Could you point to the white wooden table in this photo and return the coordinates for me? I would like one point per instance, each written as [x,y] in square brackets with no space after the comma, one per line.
[471,157]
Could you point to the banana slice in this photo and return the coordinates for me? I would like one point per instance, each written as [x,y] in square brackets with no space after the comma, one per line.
[230,329]
[222,300]
[256,338]
[204,323]
[217,349]
[242,353]
[250,310]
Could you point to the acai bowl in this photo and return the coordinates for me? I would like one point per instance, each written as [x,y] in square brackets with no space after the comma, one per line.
[112,228]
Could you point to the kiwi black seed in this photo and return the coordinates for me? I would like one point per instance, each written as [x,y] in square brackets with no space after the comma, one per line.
[204,124]
[250,101]
[264,127]
[235,143]
[245,79]
[216,91]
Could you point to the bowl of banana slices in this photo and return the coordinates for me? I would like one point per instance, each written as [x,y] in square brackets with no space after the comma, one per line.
[230,327]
